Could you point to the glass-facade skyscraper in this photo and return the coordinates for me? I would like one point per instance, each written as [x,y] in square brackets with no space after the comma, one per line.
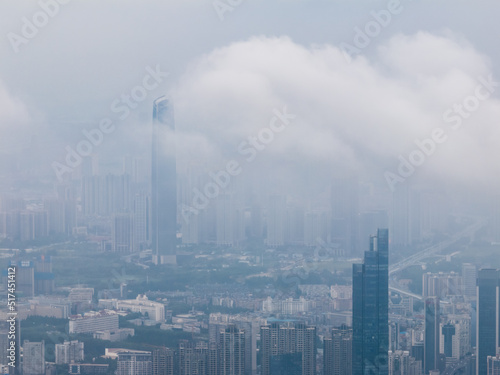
[163,183]
[488,317]
[370,310]
[431,343]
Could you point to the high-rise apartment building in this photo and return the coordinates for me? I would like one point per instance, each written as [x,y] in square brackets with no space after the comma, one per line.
[69,352]
[232,351]
[280,339]
[442,284]
[370,311]
[337,352]
[134,362]
[163,361]
[192,358]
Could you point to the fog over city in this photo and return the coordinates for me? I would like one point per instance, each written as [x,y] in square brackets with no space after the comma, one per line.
[244,166]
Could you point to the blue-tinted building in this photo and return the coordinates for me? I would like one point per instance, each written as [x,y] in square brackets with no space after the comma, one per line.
[370,310]
[163,183]
[488,317]
[431,343]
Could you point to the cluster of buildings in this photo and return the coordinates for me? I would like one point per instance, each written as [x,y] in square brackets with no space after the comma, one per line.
[158,210]
[376,331]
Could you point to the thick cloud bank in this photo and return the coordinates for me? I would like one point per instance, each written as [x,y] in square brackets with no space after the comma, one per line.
[363,115]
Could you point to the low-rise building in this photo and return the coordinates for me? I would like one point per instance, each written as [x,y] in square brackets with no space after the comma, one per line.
[93,321]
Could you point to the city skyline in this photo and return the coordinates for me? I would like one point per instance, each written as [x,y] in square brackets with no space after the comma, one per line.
[249,187]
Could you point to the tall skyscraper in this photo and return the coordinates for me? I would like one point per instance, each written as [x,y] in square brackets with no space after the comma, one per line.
[488,317]
[163,183]
[370,311]
[337,353]
[431,341]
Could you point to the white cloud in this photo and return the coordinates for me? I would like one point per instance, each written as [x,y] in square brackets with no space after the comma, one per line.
[362,114]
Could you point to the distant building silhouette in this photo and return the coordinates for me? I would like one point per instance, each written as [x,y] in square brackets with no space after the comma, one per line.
[163,183]
[344,213]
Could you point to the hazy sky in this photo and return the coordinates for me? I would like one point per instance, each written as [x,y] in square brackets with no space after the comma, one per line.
[228,76]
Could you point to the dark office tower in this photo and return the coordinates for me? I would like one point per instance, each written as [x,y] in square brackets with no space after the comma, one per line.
[370,307]
[163,183]
[448,332]
[232,351]
[431,339]
[337,353]
[344,214]
[488,316]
